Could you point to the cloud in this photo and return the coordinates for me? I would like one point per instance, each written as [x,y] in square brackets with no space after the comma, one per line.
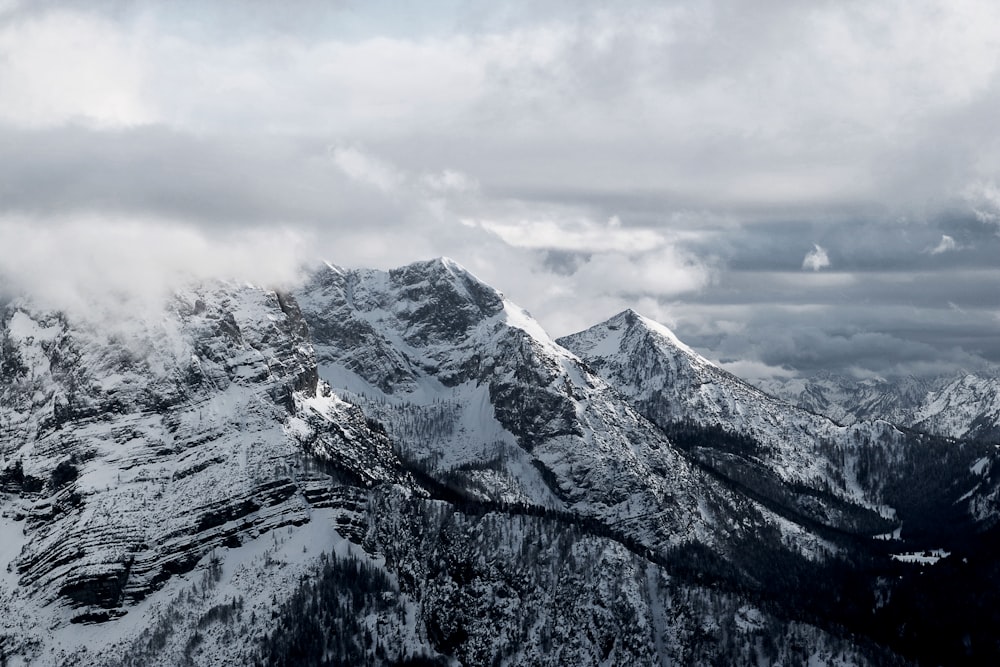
[671,157]
[156,172]
[888,340]
[451,181]
[780,106]
[946,244]
[664,272]
[65,66]
[724,107]
[816,259]
[984,199]
[756,370]
[577,235]
[366,169]
[575,256]
[121,265]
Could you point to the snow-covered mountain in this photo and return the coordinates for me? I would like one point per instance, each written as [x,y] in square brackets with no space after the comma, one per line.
[847,400]
[670,383]
[133,451]
[963,406]
[803,461]
[401,467]
[471,386]
[966,407]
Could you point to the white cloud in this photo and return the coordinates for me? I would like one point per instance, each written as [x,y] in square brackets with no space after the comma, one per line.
[120,264]
[665,272]
[577,235]
[715,103]
[63,67]
[451,181]
[613,260]
[984,198]
[946,244]
[367,169]
[816,259]
[753,371]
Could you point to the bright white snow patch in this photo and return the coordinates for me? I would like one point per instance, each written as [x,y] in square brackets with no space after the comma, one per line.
[922,557]
[886,537]
[979,467]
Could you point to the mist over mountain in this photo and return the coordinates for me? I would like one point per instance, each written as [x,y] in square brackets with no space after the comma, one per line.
[402,467]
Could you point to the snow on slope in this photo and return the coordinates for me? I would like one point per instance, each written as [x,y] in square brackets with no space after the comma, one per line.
[668,382]
[869,462]
[131,450]
[470,385]
[964,406]
[847,400]
[171,483]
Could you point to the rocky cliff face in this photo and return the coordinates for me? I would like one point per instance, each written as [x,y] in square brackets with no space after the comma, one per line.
[965,406]
[812,467]
[473,388]
[130,450]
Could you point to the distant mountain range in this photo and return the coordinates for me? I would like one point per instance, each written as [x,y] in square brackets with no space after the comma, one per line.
[402,468]
[959,406]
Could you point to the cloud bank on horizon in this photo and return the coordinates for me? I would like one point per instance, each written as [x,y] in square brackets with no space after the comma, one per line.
[791,187]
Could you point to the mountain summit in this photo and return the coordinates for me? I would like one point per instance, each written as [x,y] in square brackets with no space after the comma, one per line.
[807,465]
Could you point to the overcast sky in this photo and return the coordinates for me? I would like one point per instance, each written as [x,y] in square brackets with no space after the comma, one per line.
[791,186]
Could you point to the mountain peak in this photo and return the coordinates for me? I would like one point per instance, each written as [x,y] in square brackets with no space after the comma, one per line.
[628,325]
[449,282]
[450,264]
[439,266]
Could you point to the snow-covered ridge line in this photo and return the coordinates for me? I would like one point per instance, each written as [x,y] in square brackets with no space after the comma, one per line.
[545,430]
[965,406]
[682,392]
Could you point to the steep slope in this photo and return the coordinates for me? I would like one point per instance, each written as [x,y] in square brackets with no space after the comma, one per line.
[475,391]
[133,449]
[805,462]
[965,406]
[184,484]
[671,383]
[434,585]
[566,596]
[847,400]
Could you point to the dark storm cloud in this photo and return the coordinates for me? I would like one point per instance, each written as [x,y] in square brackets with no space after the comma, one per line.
[884,341]
[564,263]
[811,349]
[926,289]
[872,243]
[891,321]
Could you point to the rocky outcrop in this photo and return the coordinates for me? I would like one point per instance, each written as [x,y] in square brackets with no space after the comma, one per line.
[803,464]
[471,388]
[136,447]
